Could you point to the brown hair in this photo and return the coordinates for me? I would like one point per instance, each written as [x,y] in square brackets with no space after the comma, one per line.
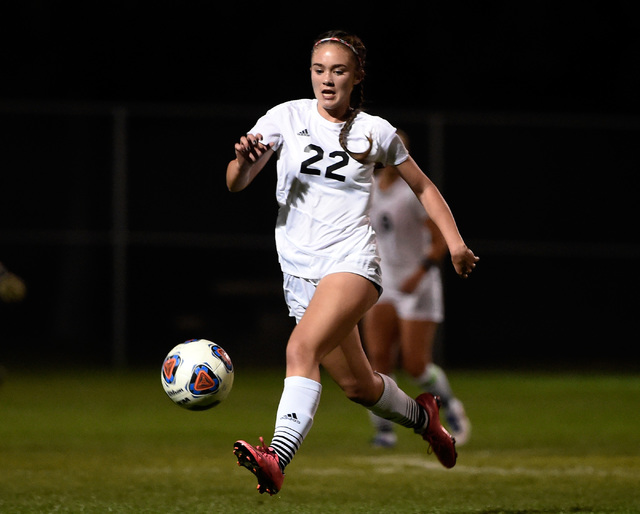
[356,101]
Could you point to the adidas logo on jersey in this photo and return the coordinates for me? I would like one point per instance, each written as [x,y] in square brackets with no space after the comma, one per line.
[291,417]
[304,132]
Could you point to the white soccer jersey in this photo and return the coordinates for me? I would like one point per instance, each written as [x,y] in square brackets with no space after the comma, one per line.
[323,223]
[399,221]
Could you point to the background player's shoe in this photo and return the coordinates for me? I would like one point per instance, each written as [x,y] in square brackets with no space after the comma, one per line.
[263,462]
[442,442]
[384,439]
[458,421]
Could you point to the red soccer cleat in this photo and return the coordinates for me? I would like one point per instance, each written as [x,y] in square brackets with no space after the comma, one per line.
[263,462]
[441,442]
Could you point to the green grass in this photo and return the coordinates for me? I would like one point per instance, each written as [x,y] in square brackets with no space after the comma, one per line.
[97,442]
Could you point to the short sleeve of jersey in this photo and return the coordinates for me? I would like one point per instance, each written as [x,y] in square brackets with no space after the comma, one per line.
[269,126]
[397,153]
[388,148]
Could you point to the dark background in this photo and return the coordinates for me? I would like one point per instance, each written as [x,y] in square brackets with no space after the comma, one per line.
[495,55]
[541,116]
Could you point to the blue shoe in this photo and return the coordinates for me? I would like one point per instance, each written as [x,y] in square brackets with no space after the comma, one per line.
[458,421]
[384,439]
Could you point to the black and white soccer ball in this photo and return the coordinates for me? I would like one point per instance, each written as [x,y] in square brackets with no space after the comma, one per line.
[197,374]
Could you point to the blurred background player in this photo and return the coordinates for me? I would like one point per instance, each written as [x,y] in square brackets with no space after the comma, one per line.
[12,287]
[404,322]
[12,290]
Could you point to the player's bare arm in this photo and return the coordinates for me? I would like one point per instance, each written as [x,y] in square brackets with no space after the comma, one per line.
[251,156]
[463,259]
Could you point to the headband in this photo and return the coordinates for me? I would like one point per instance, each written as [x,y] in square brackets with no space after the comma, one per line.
[338,40]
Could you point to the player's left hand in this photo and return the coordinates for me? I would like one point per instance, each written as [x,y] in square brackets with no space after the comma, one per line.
[464,261]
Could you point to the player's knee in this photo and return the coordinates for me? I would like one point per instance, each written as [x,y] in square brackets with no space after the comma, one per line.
[357,392]
[301,354]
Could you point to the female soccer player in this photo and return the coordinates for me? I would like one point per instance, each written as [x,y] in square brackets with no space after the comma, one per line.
[411,306]
[326,151]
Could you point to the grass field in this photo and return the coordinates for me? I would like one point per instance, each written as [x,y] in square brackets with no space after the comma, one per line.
[96,442]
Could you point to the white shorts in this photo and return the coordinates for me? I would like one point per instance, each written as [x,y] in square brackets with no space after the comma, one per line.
[299,291]
[426,303]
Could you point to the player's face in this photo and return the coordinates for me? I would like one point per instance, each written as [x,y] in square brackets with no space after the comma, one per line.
[334,72]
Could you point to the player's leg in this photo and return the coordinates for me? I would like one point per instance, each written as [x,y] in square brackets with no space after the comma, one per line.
[416,345]
[417,358]
[421,316]
[331,311]
[416,340]
[380,335]
[349,367]
[338,304]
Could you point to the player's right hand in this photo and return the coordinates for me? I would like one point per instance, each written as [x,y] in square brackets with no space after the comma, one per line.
[251,148]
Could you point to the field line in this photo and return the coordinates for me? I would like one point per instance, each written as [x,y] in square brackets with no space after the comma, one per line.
[396,463]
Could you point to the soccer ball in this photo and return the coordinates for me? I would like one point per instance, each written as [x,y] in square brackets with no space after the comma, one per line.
[197,374]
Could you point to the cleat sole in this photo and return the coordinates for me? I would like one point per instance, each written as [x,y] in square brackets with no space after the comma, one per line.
[246,459]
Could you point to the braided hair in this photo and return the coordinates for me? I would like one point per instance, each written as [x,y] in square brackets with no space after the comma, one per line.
[357,95]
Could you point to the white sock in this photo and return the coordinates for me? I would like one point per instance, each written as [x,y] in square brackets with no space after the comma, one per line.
[395,405]
[298,405]
[380,424]
[434,380]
